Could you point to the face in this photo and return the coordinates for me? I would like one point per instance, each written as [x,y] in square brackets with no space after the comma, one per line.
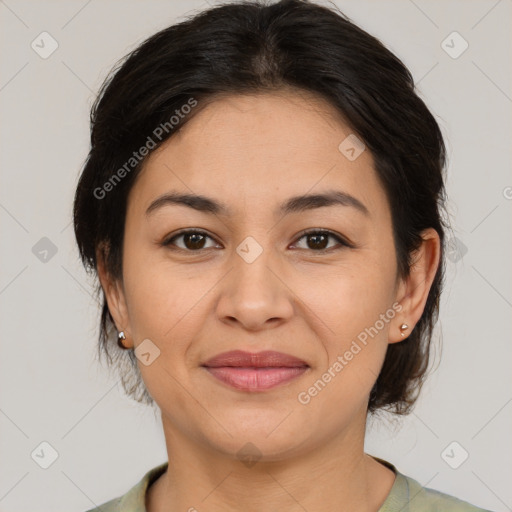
[316,280]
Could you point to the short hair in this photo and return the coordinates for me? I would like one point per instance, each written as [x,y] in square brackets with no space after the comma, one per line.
[251,47]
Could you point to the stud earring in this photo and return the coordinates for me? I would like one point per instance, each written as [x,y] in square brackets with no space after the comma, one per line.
[120,338]
[403,328]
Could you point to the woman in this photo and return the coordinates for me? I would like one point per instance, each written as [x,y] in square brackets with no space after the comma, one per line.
[262,205]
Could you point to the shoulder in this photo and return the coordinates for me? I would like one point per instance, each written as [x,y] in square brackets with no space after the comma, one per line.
[407,495]
[109,506]
[134,499]
[425,499]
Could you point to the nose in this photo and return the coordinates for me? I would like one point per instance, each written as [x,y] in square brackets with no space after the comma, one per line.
[255,294]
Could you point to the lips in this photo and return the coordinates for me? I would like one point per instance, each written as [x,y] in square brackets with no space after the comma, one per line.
[254,372]
[267,359]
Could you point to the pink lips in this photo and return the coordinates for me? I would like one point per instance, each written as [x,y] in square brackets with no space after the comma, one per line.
[255,371]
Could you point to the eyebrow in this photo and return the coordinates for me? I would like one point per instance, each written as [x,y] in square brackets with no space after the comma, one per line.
[295,204]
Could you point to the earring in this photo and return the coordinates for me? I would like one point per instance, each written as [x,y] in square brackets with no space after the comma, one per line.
[120,338]
[403,328]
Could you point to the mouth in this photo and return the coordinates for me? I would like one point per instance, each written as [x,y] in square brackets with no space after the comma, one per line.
[255,371]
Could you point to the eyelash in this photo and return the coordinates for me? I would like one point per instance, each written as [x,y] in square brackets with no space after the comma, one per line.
[342,242]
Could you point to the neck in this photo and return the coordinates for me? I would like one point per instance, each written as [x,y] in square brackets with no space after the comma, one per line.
[335,476]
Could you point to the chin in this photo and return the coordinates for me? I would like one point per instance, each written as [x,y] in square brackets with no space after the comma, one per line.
[266,437]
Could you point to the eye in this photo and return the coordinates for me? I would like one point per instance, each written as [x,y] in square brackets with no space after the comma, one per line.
[319,240]
[193,240]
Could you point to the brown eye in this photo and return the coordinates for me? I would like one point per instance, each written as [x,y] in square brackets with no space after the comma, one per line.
[192,240]
[319,240]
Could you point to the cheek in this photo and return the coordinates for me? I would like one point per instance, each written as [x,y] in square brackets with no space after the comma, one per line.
[355,315]
[351,298]
[353,307]
[160,299]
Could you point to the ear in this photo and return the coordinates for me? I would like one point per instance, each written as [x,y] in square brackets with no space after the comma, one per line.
[413,291]
[114,293]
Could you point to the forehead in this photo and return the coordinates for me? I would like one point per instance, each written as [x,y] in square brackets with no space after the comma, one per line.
[262,148]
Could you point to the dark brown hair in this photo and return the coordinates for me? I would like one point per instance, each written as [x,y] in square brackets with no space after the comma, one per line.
[257,46]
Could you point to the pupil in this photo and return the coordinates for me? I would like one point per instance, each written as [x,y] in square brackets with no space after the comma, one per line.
[196,240]
[317,237]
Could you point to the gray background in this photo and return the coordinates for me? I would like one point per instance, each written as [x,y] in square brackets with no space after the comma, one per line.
[51,387]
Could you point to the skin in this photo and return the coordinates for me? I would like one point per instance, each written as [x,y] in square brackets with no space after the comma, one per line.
[253,152]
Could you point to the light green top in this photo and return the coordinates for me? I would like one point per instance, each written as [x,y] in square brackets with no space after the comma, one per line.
[406,495]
